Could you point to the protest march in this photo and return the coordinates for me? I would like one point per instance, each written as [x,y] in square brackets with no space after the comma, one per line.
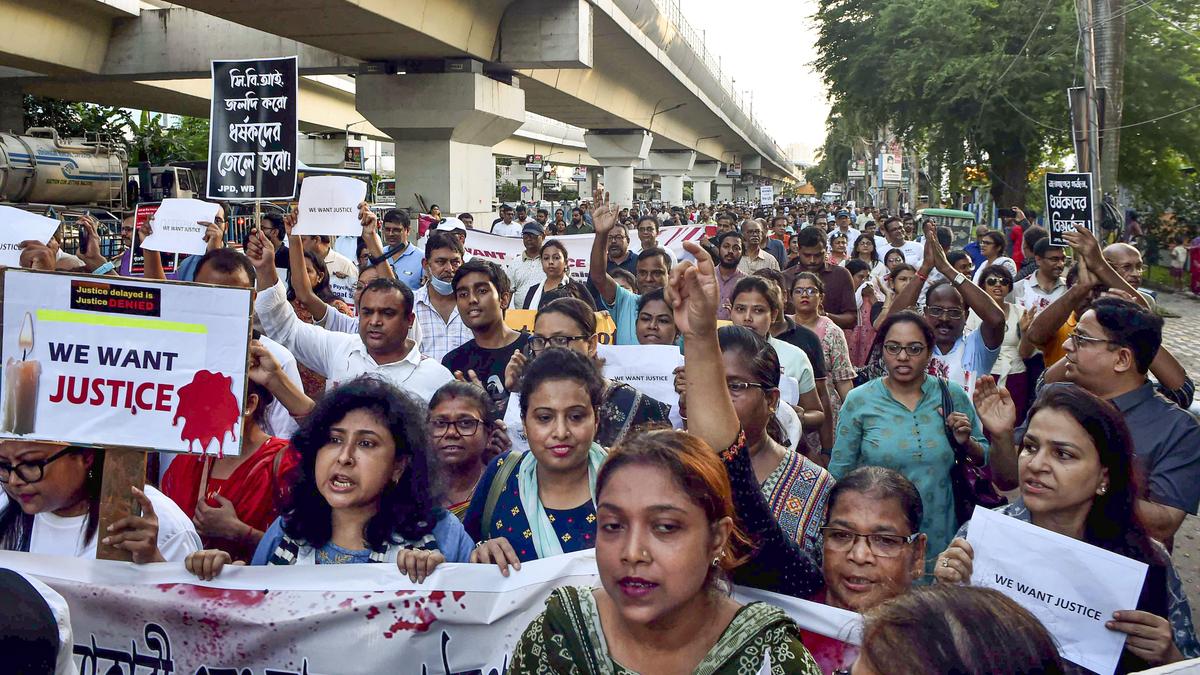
[753,429]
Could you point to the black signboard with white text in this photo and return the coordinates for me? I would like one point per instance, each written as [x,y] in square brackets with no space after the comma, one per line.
[1068,204]
[252,135]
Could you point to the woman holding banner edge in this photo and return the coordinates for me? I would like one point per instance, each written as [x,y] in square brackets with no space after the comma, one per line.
[1077,478]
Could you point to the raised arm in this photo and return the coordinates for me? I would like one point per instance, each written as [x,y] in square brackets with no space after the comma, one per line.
[1084,243]
[693,293]
[1046,323]
[604,219]
[370,237]
[990,315]
[152,267]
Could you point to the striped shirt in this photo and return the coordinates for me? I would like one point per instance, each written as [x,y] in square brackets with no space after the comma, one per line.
[438,337]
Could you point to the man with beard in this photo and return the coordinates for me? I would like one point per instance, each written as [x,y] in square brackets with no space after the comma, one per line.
[729,256]
[957,358]
[839,303]
[578,225]
[382,345]
[1037,291]
[754,258]
[482,292]
[651,267]
[618,249]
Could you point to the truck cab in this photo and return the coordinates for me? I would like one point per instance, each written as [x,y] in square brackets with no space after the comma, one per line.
[166,182]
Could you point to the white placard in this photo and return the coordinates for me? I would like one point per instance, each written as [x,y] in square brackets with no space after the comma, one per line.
[17,226]
[1072,587]
[123,363]
[329,205]
[648,368]
[176,226]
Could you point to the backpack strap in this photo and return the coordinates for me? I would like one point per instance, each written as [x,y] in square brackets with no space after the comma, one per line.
[503,472]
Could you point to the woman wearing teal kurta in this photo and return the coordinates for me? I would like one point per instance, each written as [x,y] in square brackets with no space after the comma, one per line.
[896,422]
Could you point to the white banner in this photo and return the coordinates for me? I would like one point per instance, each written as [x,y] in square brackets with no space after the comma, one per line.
[341,619]
[123,362]
[176,226]
[17,226]
[329,205]
[503,250]
[648,368]
[1068,596]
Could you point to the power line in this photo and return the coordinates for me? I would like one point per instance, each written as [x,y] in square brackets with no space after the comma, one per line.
[1170,21]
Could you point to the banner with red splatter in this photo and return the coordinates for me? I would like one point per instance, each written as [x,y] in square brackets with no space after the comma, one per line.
[322,619]
[120,362]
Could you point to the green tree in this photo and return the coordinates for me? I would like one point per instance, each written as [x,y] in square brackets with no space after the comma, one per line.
[146,138]
[978,80]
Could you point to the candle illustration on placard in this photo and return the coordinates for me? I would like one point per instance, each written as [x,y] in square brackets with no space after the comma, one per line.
[21,384]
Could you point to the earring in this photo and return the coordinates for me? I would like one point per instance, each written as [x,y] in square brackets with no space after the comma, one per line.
[716,561]
[1103,489]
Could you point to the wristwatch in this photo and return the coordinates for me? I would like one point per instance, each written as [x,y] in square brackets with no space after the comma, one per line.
[959,279]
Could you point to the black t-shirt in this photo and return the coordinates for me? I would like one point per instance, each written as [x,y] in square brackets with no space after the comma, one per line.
[808,341]
[488,364]
[281,258]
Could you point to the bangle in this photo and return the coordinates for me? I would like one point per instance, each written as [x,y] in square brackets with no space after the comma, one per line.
[922,277]
[105,268]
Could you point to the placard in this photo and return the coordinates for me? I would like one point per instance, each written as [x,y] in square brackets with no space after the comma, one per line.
[648,368]
[253,133]
[766,195]
[1068,204]
[1073,597]
[123,363]
[176,226]
[329,205]
[16,226]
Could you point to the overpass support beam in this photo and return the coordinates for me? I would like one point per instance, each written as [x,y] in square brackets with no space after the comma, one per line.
[444,126]
[724,189]
[618,151]
[702,176]
[671,166]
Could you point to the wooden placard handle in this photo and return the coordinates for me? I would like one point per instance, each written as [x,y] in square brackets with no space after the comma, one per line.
[122,468]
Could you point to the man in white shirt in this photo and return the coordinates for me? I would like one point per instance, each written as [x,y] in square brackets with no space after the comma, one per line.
[1043,287]
[505,227]
[343,273]
[754,257]
[893,229]
[525,271]
[381,347]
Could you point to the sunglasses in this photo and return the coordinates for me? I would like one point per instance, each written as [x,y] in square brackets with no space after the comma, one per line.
[995,281]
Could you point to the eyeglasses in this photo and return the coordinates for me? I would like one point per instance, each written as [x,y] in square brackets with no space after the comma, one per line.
[219,221]
[538,343]
[995,281]
[30,472]
[1079,339]
[737,387]
[805,292]
[881,545]
[939,312]
[913,348]
[466,426]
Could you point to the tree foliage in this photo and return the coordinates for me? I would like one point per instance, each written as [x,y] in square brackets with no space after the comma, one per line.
[144,138]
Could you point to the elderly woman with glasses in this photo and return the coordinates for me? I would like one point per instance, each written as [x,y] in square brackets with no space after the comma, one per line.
[899,422]
[464,435]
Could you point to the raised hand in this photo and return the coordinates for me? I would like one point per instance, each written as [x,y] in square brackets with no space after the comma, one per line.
[1085,245]
[995,407]
[935,252]
[368,219]
[693,293]
[604,213]
[263,368]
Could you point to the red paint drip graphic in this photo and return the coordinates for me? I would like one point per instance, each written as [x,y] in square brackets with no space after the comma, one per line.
[209,410]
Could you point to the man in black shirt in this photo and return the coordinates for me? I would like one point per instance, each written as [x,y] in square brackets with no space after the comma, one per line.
[272,226]
[483,292]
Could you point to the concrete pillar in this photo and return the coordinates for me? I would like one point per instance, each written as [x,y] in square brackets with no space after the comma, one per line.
[702,191]
[671,166]
[724,189]
[12,107]
[618,151]
[702,175]
[444,126]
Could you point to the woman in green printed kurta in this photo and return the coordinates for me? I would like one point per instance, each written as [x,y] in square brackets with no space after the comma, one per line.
[896,422]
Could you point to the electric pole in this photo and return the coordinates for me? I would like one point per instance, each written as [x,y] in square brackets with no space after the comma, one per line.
[1089,158]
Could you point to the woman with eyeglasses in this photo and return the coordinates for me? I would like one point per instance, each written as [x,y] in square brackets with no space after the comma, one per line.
[896,422]
[891,259]
[570,323]
[808,295]
[1078,477]
[461,425]
[866,251]
[991,246]
[51,506]
[1009,369]
[363,491]
[539,503]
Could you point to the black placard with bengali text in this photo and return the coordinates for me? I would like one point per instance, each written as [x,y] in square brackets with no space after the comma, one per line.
[1068,203]
[252,135]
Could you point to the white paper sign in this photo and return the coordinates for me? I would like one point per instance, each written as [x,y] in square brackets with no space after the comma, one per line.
[648,368]
[329,205]
[176,226]
[17,226]
[1072,587]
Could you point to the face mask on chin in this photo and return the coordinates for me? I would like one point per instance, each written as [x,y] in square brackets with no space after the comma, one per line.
[441,287]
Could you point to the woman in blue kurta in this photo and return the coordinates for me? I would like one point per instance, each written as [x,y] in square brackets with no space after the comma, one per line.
[539,503]
[896,422]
